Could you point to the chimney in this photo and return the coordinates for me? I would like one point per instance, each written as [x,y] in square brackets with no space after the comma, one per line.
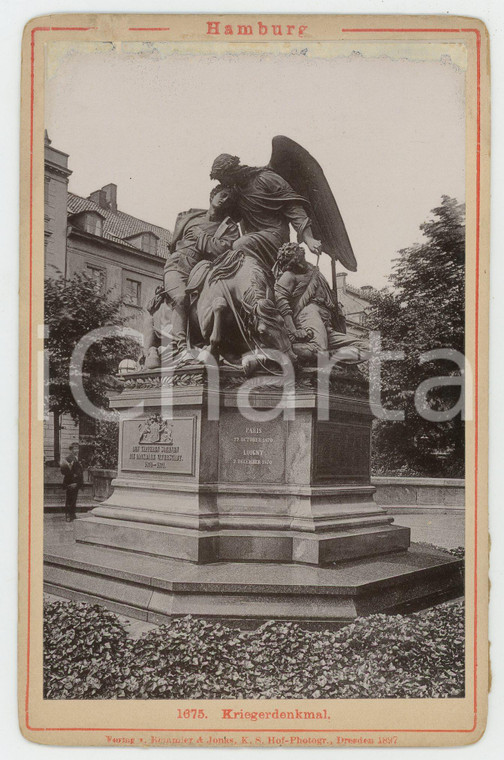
[100,198]
[110,191]
[106,197]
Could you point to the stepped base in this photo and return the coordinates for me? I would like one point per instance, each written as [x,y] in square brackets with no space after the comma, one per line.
[247,594]
[350,542]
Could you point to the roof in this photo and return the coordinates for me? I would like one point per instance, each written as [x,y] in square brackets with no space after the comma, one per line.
[359,292]
[117,226]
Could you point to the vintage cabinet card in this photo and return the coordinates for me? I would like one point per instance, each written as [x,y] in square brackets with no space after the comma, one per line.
[254,298]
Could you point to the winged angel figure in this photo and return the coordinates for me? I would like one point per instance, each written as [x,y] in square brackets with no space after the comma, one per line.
[233,310]
[291,189]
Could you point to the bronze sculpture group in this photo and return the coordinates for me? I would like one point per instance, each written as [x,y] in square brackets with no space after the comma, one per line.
[237,291]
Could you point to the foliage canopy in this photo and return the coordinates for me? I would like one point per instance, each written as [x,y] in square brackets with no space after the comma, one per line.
[424,309]
[73,308]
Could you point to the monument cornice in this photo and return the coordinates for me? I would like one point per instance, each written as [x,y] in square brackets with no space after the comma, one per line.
[307,380]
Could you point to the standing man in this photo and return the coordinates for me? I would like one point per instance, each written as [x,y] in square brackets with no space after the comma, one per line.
[73,480]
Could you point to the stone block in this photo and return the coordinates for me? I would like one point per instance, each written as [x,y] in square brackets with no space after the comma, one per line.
[454,496]
[396,494]
[431,495]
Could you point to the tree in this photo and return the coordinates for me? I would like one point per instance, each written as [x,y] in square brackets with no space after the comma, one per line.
[73,308]
[423,310]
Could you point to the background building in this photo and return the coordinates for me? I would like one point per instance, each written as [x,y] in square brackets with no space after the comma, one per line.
[124,255]
[354,302]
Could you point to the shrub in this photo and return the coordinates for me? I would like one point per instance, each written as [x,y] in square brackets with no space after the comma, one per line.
[106,445]
[419,655]
[82,648]
[188,659]
[380,656]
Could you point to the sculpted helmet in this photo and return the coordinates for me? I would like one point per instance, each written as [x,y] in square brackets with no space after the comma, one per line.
[223,164]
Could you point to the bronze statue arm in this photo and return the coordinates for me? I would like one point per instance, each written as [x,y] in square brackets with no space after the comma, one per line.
[301,222]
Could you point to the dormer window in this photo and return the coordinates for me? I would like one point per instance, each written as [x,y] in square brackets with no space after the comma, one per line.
[146,241]
[149,243]
[89,221]
[93,223]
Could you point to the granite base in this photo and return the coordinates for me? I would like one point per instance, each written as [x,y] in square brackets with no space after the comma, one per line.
[249,593]
[232,545]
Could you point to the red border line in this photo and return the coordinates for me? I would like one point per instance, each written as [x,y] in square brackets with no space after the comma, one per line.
[30,348]
[30,337]
[476,367]
[417,29]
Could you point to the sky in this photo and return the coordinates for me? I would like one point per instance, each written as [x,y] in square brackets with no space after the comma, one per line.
[385,121]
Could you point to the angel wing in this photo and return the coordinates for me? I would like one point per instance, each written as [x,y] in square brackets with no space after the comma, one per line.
[304,174]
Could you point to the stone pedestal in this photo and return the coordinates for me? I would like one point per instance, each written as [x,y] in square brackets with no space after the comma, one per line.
[242,520]
[295,488]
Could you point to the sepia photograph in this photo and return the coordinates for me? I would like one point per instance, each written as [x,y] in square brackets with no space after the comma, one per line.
[256,266]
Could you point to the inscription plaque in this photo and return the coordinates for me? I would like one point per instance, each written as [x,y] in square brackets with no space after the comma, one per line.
[342,452]
[159,445]
[251,452]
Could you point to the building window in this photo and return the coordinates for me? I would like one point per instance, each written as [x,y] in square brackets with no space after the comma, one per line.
[99,277]
[132,292]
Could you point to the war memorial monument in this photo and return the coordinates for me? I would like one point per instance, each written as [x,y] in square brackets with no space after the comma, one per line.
[243,491]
